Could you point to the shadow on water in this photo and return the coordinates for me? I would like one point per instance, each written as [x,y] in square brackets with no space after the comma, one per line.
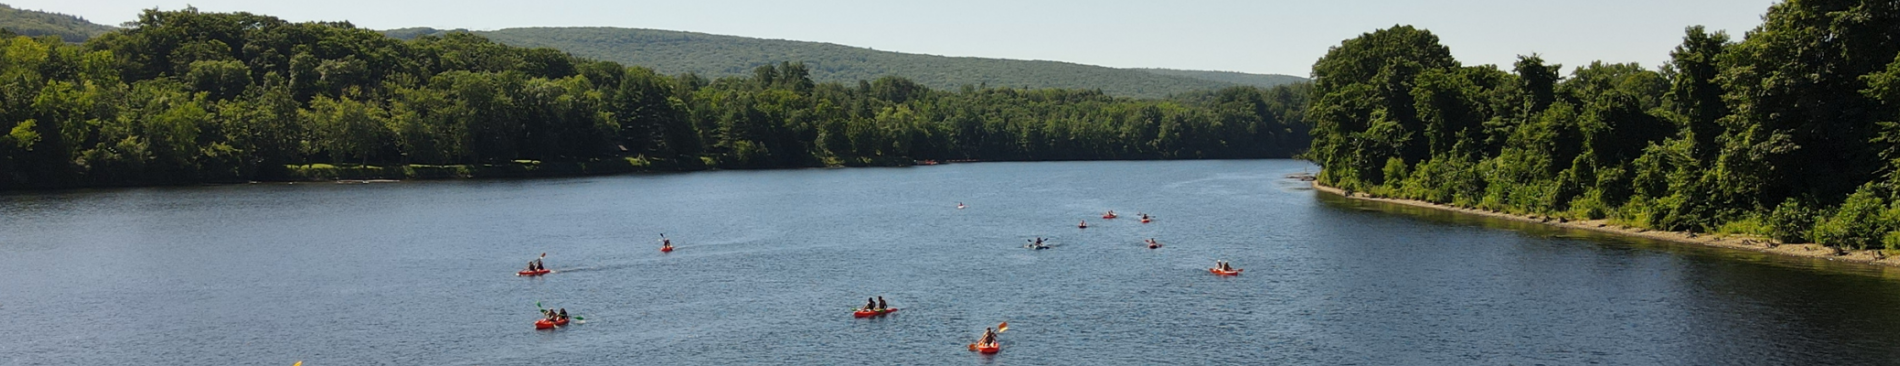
[1729,306]
[1818,265]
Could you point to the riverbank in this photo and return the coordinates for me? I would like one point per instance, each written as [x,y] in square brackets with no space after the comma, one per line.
[530,169]
[1762,245]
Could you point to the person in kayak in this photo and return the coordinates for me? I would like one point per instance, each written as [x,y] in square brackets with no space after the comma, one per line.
[563,315]
[989,336]
[881,306]
[665,243]
[870,303]
[530,266]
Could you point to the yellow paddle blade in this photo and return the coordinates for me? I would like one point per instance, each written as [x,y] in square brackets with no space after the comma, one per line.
[299,363]
[1002,327]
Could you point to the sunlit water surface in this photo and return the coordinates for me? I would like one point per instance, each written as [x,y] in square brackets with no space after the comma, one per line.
[770,263]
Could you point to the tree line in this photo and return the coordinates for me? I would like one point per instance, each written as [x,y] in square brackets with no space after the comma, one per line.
[187,96]
[1789,133]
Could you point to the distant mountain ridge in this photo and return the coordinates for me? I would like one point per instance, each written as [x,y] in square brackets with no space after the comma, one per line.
[38,23]
[713,56]
[674,52]
[1260,80]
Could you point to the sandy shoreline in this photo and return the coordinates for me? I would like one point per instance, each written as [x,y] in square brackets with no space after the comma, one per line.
[1816,251]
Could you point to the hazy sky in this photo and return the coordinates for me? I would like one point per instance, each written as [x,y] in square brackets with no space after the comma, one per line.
[1281,37]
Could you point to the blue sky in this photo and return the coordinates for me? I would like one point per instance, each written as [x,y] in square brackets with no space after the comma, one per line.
[1262,36]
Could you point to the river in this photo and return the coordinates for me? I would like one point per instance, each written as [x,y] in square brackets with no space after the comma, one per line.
[769,264]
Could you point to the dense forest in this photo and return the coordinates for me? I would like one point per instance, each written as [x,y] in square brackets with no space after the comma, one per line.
[186,96]
[715,56]
[35,23]
[1788,133]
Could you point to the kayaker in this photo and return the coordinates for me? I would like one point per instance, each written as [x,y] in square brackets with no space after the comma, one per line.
[881,305]
[870,303]
[563,314]
[989,336]
[530,266]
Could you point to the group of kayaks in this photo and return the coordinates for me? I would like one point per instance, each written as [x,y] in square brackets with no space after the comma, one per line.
[1221,267]
[551,319]
[1108,216]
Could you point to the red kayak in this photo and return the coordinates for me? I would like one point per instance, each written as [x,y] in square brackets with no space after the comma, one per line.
[1110,216]
[561,322]
[545,324]
[1144,221]
[533,273]
[988,348]
[1154,246]
[862,313]
[666,249]
[1219,272]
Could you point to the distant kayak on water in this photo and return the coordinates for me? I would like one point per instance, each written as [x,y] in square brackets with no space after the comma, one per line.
[1222,268]
[535,268]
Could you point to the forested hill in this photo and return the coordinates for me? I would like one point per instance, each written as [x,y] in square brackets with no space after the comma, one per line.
[37,23]
[186,96]
[714,56]
[1793,132]
[1241,78]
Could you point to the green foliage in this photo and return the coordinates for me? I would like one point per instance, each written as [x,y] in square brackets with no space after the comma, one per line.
[1858,223]
[1803,114]
[717,56]
[36,24]
[186,96]
[1237,78]
[1791,222]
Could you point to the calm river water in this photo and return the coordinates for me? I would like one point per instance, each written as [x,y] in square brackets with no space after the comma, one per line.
[770,263]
